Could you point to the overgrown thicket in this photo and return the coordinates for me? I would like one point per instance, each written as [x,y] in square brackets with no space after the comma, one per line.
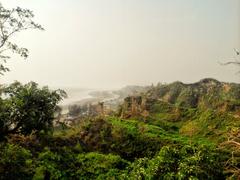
[110,149]
[170,162]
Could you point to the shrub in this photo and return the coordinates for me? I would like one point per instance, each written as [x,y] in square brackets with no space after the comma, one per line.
[187,162]
[15,162]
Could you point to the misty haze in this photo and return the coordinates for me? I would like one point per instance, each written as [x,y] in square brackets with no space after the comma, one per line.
[123,89]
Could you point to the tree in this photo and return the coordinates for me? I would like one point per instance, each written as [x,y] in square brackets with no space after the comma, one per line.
[24,108]
[28,108]
[11,22]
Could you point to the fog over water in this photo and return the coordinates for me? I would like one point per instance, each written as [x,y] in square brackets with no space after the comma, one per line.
[75,95]
[110,44]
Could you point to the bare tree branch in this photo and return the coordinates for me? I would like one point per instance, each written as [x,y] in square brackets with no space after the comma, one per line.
[11,22]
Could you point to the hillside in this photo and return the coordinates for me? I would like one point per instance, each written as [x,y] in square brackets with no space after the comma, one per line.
[208,107]
[207,93]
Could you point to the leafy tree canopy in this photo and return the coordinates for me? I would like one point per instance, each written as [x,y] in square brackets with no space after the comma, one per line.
[27,108]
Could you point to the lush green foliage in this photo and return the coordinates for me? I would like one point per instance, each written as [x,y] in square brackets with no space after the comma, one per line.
[27,108]
[170,162]
[115,149]
[187,162]
[15,162]
[173,142]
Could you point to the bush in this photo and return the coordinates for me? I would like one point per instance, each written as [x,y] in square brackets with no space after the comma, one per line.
[15,162]
[95,165]
[48,165]
[187,162]
[66,164]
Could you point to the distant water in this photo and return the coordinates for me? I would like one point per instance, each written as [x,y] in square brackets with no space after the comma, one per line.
[75,95]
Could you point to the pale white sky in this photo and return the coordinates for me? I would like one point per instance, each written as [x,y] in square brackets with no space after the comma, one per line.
[112,43]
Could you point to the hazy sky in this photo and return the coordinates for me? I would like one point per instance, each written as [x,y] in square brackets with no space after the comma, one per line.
[112,43]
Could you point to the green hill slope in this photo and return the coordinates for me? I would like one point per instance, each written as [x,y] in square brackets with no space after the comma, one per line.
[206,108]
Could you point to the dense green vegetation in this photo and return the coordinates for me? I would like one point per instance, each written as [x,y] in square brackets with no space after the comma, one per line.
[27,108]
[111,149]
[172,142]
